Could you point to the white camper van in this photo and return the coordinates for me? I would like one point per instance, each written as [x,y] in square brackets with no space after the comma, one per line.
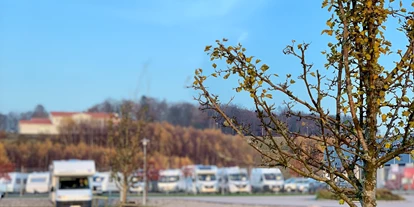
[171,180]
[38,182]
[13,183]
[266,180]
[71,182]
[233,180]
[201,179]
[104,183]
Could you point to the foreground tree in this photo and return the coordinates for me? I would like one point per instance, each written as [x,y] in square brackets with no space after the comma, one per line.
[124,138]
[5,165]
[374,94]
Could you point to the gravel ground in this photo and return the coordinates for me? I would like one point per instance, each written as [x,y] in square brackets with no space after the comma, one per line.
[217,201]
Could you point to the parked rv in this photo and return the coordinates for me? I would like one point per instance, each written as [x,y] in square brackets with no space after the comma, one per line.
[104,183]
[71,182]
[13,183]
[38,182]
[171,180]
[233,180]
[201,179]
[137,182]
[266,180]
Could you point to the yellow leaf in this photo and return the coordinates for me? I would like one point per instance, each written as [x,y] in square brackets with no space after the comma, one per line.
[214,74]
[398,158]
[228,61]
[406,113]
[264,67]
[369,3]
[329,32]
[238,89]
[384,118]
[214,65]
[341,202]
[226,76]
[258,61]
[329,23]
[368,56]
[207,48]
[269,96]
[226,123]
[312,74]
[248,59]
[387,145]
[299,46]
[405,99]
[292,81]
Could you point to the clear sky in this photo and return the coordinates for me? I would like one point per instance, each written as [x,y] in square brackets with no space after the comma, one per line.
[69,55]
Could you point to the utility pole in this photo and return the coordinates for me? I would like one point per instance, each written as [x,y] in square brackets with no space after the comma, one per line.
[144,193]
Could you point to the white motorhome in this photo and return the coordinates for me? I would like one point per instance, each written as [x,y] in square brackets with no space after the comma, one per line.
[201,179]
[137,183]
[233,180]
[171,180]
[71,182]
[14,182]
[266,180]
[38,182]
[104,183]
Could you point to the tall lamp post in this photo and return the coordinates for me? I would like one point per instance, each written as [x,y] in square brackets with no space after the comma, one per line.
[144,194]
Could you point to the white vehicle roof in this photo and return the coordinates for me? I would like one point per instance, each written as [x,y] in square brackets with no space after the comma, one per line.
[39,174]
[266,170]
[170,172]
[232,170]
[206,169]
[73,167]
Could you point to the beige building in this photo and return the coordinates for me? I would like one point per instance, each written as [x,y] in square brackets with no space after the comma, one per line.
[52,124]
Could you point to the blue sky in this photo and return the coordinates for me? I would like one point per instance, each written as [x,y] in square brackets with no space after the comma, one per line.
[69,55]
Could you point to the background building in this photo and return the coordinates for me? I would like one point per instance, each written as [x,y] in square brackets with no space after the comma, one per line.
[52,124]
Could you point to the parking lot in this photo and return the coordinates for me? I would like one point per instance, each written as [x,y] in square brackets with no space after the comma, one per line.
[211,200]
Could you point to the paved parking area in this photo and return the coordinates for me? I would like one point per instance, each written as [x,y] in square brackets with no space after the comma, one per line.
[219,201]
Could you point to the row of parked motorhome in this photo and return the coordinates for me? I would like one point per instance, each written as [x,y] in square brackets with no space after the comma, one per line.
[74,181]
[195,179]
[68,182]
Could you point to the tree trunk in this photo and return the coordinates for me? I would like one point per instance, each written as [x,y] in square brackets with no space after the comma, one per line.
[369,186]
[124,190]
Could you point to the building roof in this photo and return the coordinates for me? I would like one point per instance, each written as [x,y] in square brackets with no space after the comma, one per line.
[36,121]
[92,114]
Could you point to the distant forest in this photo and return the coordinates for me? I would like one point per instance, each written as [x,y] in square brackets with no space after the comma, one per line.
[178,114]
[180,134]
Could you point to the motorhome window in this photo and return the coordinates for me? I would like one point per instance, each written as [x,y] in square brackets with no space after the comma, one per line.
[18,180]
[273,176]
[168,179]
[38,180]
[6,181]
[136,179]
[238,177]
[98,179]
[206,177]
[73,183]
